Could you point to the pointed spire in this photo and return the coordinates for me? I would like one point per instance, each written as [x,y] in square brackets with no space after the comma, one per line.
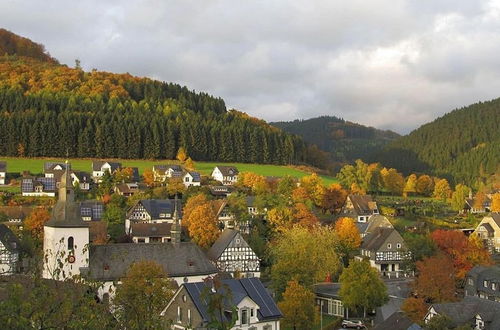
[175,231]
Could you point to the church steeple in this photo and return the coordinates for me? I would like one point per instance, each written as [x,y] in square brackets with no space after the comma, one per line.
[175,231]
[66,212]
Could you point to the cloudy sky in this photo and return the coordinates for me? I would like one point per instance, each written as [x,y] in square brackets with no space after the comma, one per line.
[389,64]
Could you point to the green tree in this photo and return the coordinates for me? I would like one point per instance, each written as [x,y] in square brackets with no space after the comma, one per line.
[458,197]
[361,287]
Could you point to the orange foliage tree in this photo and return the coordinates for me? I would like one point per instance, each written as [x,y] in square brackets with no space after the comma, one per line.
[304,217]
[35,221]
[149,178]
[495,203]
[415,309]
[202,225]
[436,279]
[333,198]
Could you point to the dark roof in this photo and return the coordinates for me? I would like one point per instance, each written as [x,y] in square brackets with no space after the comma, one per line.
[220,190]
[3,166]
[240,288]
[496,217]
[83,176]
[97,164]
[375,240]
[488,227]
[250,201]
[327,290]
[485,273]
[16,212]
[156,206]
[8,239]
[135,174]
[363,204]
[465,311]
[196,176]
[221,243]
[110,262]
[228,170]
[397,321]
[49,166]
[93,209]
[162,168]
[151,229]
[28,184]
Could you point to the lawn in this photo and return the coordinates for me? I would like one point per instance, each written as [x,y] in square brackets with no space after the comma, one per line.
[35,166]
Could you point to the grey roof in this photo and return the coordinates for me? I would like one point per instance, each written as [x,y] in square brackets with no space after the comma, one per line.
[464,312]
[496,217]
[250,201]
[49,166]
[397,321]
[110,262]
[93,209]
[363,204]
[485,273]
[66,212]
[375,240]
[221,190]
[146,229]
[156,206]
[221,243]
[162,168]
[488,227]
[97,164]
[239,288]
[3,166]
[8,239]
[228,170]
[362,226]
[83,176]
[327,290]
[196,176]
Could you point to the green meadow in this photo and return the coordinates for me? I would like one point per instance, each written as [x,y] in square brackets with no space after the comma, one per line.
[35,166]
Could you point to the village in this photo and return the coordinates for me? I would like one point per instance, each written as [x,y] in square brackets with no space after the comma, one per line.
[160,217]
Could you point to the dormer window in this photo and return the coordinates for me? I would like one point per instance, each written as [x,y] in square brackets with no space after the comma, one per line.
[244,316]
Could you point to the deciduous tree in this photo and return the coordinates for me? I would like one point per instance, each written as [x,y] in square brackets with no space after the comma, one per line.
[436,279]
[458,197]
[425,185]
[182,155]
[202,225]
[148,177]
[35,221]
[495,203]
[442,190]
[415,309]
[297,306]
[349,238]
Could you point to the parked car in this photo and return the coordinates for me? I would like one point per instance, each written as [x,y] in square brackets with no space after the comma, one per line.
[355,324]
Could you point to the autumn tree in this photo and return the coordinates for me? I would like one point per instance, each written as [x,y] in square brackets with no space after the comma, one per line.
[125,174]
[192,202]
[442,190]
[333,198]
[361,287]
[436,279]
[202,225]
[425,185]
[35,221]
[349,238]
[393,181]
[149,178]
[175,186]
[297,306]
[141,296]
[458,197]
[495,203]
[415,309]
[189,164]
[305,255]
[304,217]
[411,184]
[281,218]
[182,155]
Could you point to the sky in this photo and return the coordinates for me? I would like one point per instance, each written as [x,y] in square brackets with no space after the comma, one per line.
[389,64]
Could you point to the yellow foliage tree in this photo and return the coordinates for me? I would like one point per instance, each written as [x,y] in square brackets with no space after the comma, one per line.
[442,190]
[297,306]
[495,203]
[304,217]
[190,164]
[348,235]
[202,225]
[192,203]
[411,184]
[182,155]
[281,218]
[148,178]
[425,185]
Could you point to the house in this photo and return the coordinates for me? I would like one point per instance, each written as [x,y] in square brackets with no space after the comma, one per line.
[374,221]
[153,211]
[9,251]
[100,167]
[82,179]
[66,234]
[91,210]
[54,170]
[489,231]
[191,179]
[3,172]
[398,321]
[328,299]
[38,186]
[255,308]
[151,232]
[127,189]
[162,172]
[475,205]
[252,208]
[220,192]
[227,175]
[359,207]
[472,311]
[384,248]
[483,282]
[231,253]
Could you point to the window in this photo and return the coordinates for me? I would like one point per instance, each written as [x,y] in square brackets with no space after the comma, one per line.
[189,316]
[251,312]
[71,243]
[398,245]
[470,281]
[389,246]
[244,316]
[485,284]
[493,286]
[179,314]
[184,298]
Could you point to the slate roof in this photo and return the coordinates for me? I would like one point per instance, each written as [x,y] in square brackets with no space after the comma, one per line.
[240,288]
[195,175]
[221,243]
[488,227]
[363,204]
[228,170]
[8,239]
[162,168]
[327,290]
[464,312]
[3,166]
[375,240]
[397,321]
[496,217]
[49,166]
[110,262]
[250,201]
[83,176]
[150,229]
[485,273]
[156,206]
[97,164]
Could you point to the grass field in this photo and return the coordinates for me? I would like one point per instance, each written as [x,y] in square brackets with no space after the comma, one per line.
[35,166]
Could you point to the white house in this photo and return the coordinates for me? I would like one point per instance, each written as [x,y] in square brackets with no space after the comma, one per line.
[227,175]
[191,179]
[231,253]
[162,172]
[359,207]
[153,211]
[100,167]
[9,251]
[39,187]
[83,179]
[3,172]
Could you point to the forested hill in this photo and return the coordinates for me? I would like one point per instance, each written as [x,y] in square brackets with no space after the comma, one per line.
[12,44]
[344,140]
[464,144]
[47,109]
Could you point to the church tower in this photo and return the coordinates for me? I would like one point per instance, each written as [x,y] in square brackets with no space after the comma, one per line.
[66,235]
[175,231]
